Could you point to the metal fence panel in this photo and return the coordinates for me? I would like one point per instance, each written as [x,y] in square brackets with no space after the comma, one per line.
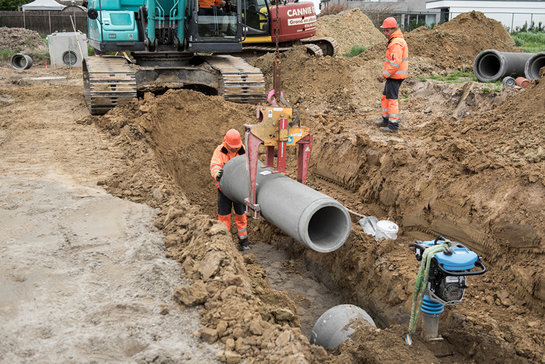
[44,22]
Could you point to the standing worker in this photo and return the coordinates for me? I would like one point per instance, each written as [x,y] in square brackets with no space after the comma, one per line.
[230,148]
[396,65]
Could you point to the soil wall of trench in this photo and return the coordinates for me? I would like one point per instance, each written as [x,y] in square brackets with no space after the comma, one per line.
[453,186]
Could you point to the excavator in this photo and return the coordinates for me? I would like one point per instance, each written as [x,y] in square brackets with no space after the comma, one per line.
[166,44]
[178,44]
[297,24]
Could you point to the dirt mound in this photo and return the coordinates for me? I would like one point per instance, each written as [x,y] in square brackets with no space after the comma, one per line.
[349,28]
[456,43]
[323,84]
[21,40]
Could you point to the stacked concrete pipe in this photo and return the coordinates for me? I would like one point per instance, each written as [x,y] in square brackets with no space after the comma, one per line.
[317,221]
[533,65]
[492,65]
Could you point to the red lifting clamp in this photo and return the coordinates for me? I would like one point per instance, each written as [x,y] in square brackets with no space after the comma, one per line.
[276,129]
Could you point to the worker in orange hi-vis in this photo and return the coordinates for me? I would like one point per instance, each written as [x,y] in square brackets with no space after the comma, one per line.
[396,65]
[230,148]
[205,6]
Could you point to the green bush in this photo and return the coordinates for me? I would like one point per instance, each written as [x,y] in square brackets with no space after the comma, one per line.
[355,51]
[530,42]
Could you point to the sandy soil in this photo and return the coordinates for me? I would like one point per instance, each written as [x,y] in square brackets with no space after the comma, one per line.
[84,274]
[467,163]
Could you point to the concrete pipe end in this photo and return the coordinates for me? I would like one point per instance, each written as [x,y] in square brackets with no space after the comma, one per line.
[21,61]
[533,65]
[337,324]
[489,65]
[325,225]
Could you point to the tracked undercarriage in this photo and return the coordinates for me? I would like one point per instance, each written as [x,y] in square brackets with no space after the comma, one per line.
[317,46]
[110,81]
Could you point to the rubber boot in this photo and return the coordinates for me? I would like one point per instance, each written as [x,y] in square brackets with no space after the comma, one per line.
[391,128]
[382,123]
[243,244]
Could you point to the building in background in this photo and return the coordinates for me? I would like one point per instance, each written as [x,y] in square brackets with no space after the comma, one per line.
[409,13]
[512,14]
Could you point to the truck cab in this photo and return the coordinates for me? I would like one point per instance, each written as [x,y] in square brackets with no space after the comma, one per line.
[296,21]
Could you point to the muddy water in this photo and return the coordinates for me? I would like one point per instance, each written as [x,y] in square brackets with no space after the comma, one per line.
[290,275]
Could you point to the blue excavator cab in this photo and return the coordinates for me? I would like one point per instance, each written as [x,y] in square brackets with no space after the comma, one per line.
[164,26]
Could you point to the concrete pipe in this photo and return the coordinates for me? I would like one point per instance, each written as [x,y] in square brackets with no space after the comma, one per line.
[317,221]
[492,65]
[533,65]
[21,61]
[337,324]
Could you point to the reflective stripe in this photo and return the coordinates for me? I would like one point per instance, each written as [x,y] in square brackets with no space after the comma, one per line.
[387,74]
[393,121]
[215,167]
[242,230]
[405,59]
[394,64]
[386,59]
[386,110]
[242,237]
[394,115]
[400,72]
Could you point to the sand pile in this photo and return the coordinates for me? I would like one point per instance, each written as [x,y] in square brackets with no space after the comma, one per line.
[456,43]
[349,28]
[21,40]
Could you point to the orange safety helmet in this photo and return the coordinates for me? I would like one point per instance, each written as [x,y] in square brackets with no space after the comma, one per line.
[232,139]
[389,23]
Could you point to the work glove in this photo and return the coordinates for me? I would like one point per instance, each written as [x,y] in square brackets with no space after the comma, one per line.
[219,174]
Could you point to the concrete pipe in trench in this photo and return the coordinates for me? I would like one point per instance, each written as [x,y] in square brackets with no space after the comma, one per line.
[317,221]
[533,65]
[492,65]
[337,324]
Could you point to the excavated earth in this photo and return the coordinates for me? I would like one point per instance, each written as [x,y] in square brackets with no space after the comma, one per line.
[468,163]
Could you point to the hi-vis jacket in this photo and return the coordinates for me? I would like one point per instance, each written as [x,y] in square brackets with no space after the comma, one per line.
[396,62]
[209,3]
[221,156]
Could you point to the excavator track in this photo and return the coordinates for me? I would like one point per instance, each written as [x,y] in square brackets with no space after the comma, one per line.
[329,46]
[108,82]
[112,81]
[319,47]
[240,82]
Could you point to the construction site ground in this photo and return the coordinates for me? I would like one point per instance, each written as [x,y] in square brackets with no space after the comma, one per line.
[110,249]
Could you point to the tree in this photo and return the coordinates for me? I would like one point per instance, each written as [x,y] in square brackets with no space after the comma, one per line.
[11,5]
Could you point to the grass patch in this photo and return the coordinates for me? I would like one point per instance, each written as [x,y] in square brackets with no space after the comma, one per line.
[453,77]
[6,53]
[355,51]
[530,42]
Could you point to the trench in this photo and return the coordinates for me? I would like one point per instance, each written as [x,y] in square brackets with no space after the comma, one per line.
[371,275]
[307,279]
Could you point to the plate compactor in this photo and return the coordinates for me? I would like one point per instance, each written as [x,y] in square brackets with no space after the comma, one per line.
[441,281]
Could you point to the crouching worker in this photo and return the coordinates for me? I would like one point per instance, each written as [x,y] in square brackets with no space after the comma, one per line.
[230,148]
